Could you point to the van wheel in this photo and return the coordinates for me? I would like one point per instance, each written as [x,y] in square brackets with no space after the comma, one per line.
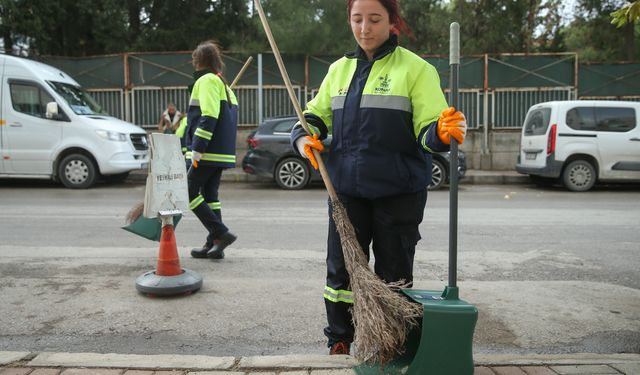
[579,175]
[438,175]
[77,171]
[292,174]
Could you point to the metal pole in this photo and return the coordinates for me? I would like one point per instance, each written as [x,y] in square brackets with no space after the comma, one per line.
[485,117]
[454,62]
[260,99]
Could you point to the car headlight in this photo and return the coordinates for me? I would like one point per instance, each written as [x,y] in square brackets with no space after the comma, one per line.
[112,136]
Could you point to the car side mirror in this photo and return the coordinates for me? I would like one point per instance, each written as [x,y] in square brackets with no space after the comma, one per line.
[52,111]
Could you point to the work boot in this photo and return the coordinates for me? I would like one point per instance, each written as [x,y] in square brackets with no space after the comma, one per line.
[340,348]
[201,252]
[217,251]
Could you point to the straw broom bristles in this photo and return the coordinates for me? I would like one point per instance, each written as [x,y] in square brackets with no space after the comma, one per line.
[382,316]
[134,213]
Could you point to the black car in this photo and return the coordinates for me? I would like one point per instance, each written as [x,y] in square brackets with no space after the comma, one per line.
[271,155]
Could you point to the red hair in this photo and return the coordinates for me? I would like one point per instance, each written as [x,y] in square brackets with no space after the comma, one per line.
[392,7]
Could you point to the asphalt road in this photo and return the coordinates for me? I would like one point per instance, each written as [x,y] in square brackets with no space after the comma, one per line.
[550,271]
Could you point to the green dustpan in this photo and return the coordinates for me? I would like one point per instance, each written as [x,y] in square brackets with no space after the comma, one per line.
[150,229]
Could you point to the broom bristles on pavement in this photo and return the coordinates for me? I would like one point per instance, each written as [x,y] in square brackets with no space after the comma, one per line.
[134,213]
[382,316]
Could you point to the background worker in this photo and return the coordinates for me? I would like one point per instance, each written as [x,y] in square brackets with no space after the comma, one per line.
[211,137]
[387,114]
[180,132]
[169,119]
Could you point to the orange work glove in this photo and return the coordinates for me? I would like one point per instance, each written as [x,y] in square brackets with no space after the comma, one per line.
[305,146]
[452,124]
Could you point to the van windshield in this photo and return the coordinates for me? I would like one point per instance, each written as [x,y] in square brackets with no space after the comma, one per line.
[79,100]
[537,121]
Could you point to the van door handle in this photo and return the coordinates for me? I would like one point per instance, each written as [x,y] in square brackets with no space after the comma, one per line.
[16,125]
[635,139]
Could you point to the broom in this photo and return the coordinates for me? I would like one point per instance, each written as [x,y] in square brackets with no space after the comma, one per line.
[382,316]
[136,211]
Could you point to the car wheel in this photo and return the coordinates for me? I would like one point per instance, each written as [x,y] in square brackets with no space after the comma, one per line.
[116,178]
[77,171]
[579,175]
[292,174]
[438,175]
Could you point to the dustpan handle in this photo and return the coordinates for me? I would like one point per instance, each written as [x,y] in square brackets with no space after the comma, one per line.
[454,62]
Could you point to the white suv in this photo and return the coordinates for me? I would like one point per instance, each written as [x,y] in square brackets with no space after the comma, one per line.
[581,142]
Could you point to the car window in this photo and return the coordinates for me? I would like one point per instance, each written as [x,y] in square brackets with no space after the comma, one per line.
[610,119]
[79,100]
[29,99]
[284,126]
[537,122]
[581,118]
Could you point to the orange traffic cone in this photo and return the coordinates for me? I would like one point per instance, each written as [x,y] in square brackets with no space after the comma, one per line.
[169,278]
[168,260]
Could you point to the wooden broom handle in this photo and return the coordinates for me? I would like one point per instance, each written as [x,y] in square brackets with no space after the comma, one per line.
[241,72]
[294,100]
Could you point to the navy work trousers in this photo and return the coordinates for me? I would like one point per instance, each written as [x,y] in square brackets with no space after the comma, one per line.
[390,225]
[204,181]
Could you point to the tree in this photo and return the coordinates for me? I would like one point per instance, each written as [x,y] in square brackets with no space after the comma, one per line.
[595,39]
[629,13]
[494,26]
[65,27]
[312,26]
[429,20]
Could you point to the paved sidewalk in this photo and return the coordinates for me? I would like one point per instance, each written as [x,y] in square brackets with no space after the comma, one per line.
[23,363]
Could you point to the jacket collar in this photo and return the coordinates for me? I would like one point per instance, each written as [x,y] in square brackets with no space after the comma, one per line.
[385,49]
[196,75]
[199,73]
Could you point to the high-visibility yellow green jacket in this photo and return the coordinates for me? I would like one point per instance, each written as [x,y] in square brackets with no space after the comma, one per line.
[382,115]
[212,121]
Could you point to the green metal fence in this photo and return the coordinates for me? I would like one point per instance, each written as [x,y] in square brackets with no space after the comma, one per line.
[496,90]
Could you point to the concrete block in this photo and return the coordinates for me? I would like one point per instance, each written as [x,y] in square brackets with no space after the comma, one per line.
[15,371]
[483,371]
[508,370]
[10,357]
[584,370]
[90,371]
[627,368]
[47,371]
[297,362]
[537,370]
[333,372]
[132,361]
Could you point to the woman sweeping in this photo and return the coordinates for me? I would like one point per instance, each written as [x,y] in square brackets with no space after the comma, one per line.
[387,113]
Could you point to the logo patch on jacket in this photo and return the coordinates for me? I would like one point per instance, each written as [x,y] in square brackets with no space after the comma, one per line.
[384,85]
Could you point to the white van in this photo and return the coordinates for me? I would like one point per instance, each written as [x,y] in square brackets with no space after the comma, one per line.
[581,142]
[51,128]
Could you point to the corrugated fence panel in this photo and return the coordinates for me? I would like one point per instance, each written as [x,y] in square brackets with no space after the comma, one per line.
[516,81]
[532,70]
[92,72]
[509,106]
[609,80]
[112,101]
